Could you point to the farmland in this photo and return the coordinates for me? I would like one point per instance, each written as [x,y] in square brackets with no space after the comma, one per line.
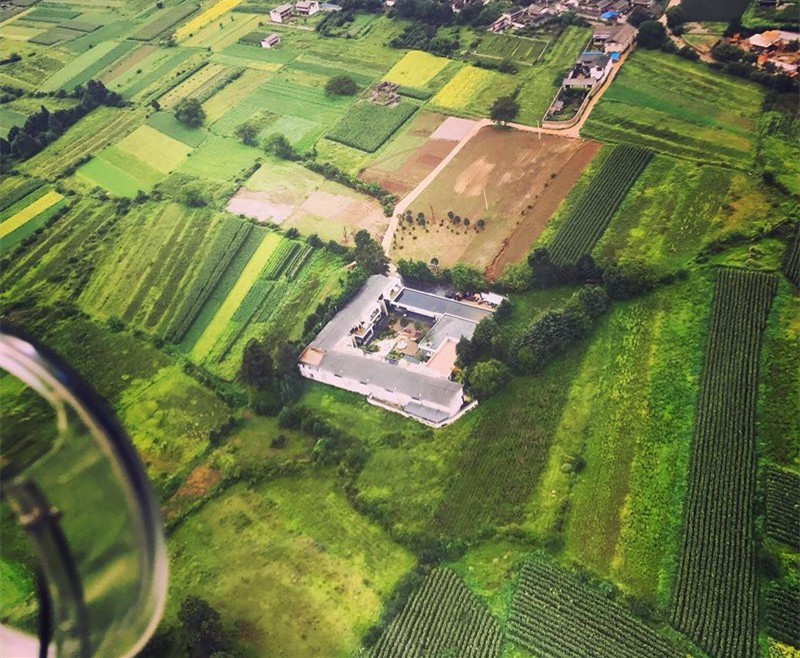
[631,493]
[580,230]
[513,181]
[454,621]
[718,528]
[594,627]
[685,113]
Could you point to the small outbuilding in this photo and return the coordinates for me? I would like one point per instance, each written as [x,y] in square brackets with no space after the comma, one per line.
[270,41]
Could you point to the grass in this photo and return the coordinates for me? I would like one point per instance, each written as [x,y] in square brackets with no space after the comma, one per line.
[680,108]
[224,315]
[416,69]
[166,123]
[219,159]
[99,171]
[367,126]
[77,66]
[505,46]
[323,566]
[155,149]
[211,14]
[163,21]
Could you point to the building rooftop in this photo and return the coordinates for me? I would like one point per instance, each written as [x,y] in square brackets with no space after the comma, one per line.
[440,305]
[447,328]
[283,8]
[353,365]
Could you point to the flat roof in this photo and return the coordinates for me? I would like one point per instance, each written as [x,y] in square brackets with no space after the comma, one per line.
[353,312]
[447,327]
[440,305]
[282,8]
[353,365]
[426,413]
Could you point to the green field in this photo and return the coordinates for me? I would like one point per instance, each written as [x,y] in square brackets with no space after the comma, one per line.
[517,49]
[679,108]
[367,126]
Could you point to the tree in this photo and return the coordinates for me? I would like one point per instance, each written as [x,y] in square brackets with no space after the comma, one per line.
[190,113]
[652,35]
[203,627]
[623,280]
[481,224]
[545,272]
[23,146]
[279,146]
[487,377]
[504,109]
[467,279]
[676,17]
[341,85]
[194,196]
[248,133]
[369,254]
[256,369]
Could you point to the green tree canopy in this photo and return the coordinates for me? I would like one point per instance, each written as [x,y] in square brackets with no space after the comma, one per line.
[369,254]
[467,279]
[190,113]
[279,146]
[341,85]
[652,35]
[248,133]
[487,377]
[504,109]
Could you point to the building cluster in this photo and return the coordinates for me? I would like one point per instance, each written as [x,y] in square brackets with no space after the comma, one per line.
[776,47]
[397,346]
[543,11]
[283,13]
[592,68]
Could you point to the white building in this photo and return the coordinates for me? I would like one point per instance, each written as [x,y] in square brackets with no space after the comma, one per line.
[271,41]
[591,71]
[614,38]
[306,7]
[421,390]
[281,13]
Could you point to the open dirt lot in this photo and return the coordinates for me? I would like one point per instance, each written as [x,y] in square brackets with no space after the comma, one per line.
[512,180]
[416,152]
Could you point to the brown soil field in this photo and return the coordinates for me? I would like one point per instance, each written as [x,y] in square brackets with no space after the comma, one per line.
[513,180]
[416,152]
[128,62]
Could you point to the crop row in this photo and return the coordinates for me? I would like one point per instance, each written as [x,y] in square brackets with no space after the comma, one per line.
[783,506]
[297,262]
[224,249]
[279,259]
[164,20]
[783,611]
[792,265]
[215,84]
[588,219]
[367,126]
[443,618]
[715,597]
[14,190]
[554,615]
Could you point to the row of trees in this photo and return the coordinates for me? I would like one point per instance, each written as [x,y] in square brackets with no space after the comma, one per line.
[44,126]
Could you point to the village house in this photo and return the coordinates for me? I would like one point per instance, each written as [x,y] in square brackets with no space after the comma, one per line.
[281,13]
[531,16]
[414,377]
[330,7]
[590,71]
[614,38]
[270,41]
[306,7]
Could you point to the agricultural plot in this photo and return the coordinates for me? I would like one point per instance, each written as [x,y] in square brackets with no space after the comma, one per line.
[9,119]
[367,126]
[167,124]
[416,69]
[128,64]
[191,85]
[715,598]
[217,36]
[472,90]
[674,106]
[55,35]
[553,614]
[442,618]
[331,574]
[286,193]
[219,159]
[158,73]
[31,213]
[511,181]
[163,21]
[88,66]
[783,506]
[211,14]
[154,148]
[583,226]
[233,95]
[415,151]
[36,65]
[506,46]
[783,606]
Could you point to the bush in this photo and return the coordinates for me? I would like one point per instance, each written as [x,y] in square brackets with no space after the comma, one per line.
[488,377]
[190,113]
[341,85]
[624,280]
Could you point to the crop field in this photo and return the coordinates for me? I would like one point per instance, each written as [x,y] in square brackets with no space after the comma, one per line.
[219,35]
[513,181]
[676,207]
[154,74]
[29,214]
[580,230]
[188,87]
[9,119]
[287,194]
[88,66]
[234,95]
[465,88]
[595,626]
[783,502]
[416,69]
[219,159]
[154,148]
[415,151]
[505,46]
[211,14]
[331,574]
[442,618]
[673,106]
[163,21]
[167,124]
[717,605]
[367,126]
[127,63]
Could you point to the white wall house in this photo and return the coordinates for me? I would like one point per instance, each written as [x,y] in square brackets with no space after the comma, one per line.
[306,7]
[281,13]
[271,41]
[591,71]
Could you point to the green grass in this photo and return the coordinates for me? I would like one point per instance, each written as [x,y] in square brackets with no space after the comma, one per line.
[163,20]
[170,126]
[631,411]
[91,66]
[119,182]
[681,108]
[367,126]
[321,565]
[219,159]
[505,46]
